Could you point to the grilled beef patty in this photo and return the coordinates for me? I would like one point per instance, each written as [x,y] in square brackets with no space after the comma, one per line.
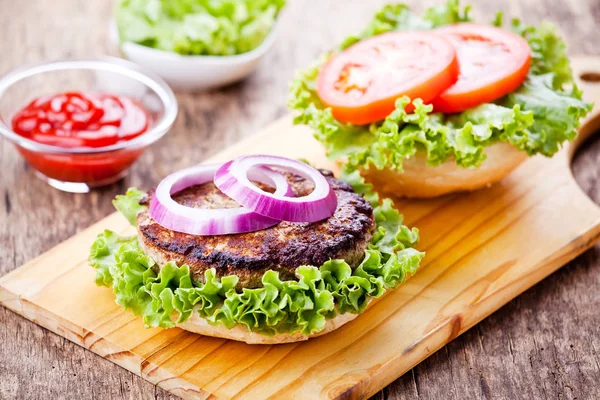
[283,247]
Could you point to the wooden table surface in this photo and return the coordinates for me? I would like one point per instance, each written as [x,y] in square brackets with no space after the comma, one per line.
[543,344]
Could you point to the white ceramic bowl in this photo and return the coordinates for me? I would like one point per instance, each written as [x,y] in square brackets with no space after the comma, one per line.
[194,73]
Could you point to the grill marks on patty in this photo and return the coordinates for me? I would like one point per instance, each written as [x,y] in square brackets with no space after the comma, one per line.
[282,248]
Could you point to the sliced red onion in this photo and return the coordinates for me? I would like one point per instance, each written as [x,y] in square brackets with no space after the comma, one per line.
[196,221]
[233,180]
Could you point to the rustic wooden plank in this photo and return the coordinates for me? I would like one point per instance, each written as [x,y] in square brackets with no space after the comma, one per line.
[35,363]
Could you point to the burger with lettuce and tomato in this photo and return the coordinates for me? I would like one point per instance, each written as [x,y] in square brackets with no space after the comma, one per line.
[428,105]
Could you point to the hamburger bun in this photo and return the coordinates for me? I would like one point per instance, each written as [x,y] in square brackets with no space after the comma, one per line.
[422,181]
[240,333]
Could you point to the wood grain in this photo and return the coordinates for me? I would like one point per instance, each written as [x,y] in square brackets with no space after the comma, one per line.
[543,344]
[483,249]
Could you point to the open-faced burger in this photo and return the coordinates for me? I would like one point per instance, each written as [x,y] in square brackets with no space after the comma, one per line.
[262,249]
[433,104]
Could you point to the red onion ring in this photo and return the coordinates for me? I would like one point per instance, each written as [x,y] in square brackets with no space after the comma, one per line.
[232,178]
[196,221]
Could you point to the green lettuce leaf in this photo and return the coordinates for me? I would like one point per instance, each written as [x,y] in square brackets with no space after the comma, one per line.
[169,296]
[536,118]
[129,204]
[197,27]
[394,17]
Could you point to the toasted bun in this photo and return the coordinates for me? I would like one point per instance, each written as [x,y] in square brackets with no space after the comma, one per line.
[422,181]
[240,333]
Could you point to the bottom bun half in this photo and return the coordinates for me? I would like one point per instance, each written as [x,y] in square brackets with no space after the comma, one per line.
[422,181]
[240,333]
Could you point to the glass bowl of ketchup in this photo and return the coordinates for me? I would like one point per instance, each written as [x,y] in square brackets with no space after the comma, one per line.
[81,124]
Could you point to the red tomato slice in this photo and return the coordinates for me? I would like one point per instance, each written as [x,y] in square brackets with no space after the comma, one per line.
[493,62]
[362,83]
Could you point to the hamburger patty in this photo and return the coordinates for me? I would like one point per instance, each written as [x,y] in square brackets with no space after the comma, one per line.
[283,247]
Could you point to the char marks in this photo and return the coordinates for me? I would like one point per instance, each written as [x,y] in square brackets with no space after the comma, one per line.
[282,248]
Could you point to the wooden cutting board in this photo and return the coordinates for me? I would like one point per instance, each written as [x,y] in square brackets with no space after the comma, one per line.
[483,249]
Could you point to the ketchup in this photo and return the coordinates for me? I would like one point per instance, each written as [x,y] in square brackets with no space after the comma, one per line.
[83,121]
[75,119]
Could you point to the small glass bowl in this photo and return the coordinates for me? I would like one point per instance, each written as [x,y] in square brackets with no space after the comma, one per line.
[80,169]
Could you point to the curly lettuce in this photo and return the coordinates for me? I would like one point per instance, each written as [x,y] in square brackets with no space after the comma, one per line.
[536,118]
[129,204]
[166,296]
[197,27]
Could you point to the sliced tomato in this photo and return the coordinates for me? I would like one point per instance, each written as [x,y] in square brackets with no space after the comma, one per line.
[493,62]
[362,83]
